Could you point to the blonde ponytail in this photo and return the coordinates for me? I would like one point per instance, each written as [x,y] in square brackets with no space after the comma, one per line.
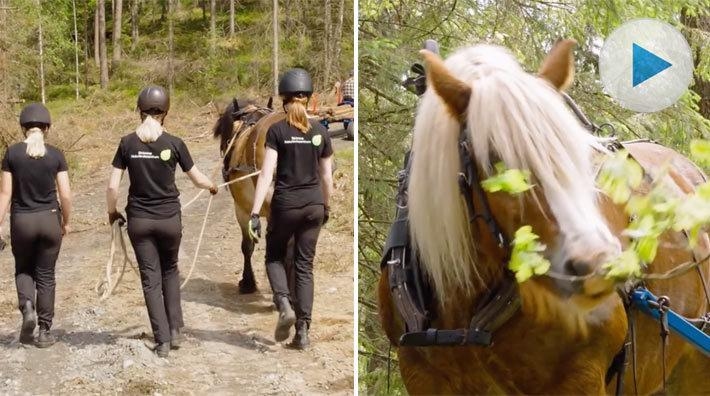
[34,138]
[296,115]
[150,130]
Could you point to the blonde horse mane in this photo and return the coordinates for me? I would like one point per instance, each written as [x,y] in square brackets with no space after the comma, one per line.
[520,119]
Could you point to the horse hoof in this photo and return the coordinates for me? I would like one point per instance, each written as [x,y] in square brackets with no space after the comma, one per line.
[247,287]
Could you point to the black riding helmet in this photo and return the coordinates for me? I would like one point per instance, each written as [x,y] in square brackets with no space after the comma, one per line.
[295,81]
[153,99]
[35,113]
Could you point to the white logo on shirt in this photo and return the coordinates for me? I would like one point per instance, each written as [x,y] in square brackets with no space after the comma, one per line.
[297,140]
[144,155]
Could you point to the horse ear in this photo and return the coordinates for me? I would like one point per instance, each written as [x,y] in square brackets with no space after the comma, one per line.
[235,105]
[558,66]
[454,92]
[270,104]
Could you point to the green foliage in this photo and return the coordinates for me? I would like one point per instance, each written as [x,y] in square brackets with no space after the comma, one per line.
[700,150]
[525,259]
[626,265]
[241,65]
[512,181]
[619,176]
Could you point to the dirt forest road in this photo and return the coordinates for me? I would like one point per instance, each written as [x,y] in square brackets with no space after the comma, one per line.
[229,349]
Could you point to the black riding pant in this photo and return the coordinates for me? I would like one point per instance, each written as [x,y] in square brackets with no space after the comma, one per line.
[36,239]
[156,243]
[303,224]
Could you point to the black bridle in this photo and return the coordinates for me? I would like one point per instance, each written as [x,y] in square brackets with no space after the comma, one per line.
[410,289]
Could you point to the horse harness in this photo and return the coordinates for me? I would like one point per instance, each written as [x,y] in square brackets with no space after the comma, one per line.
[412,293]
[245,128]
[409,288]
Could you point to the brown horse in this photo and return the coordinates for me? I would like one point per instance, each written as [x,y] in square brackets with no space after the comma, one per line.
[244,125]
[564,337]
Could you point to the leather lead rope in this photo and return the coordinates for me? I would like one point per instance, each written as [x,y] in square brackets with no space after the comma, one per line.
[663,307]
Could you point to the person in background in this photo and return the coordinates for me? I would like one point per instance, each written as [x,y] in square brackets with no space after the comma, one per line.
[348,96]
[151,155]
[300,152]
[349,91]
[33,174]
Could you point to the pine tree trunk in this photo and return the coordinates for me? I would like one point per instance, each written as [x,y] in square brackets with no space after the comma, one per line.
[97,51]
[213,25]
[41,52]
[170,46]
[76,48]
[275,49]
[117,19]
[339,36]
[101,5]
[134,24]
[88,16]
[231,18]
[328,42]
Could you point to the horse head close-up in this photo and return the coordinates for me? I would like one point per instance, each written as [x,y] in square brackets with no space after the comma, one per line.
[470,327]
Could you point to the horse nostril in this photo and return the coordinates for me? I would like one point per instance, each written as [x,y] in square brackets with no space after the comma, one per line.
[579,267]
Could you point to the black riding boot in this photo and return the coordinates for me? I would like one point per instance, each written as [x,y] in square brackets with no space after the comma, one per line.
[29,322]
[286,319]
[45,338]
[162,349]
[176,338]
[300,339]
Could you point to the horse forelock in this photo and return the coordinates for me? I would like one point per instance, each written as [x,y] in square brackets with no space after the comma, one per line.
[521,120]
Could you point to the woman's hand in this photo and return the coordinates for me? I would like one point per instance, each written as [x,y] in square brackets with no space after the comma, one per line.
[66,229]
[255,227]
[326,213]
[113,216]
[213,189]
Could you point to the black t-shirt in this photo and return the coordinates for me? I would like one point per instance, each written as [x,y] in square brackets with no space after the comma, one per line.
[34,186]
[151,169]
[297,171]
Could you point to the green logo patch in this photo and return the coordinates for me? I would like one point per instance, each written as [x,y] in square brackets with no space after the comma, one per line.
[165,154]
[317,139]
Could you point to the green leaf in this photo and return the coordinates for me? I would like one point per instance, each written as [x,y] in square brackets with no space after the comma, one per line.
[646,248]
[700,150]
[512,181]
[526,260]
[626,265]
[619,175]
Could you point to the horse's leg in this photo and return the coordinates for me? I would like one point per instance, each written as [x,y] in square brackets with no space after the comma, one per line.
[242,206]
[247,284]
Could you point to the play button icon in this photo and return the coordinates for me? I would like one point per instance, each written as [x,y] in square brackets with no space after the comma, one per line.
[646,65]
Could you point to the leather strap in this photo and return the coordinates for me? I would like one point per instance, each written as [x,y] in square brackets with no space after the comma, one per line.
[405,282]
[470,184]
[495,312]
[437,337]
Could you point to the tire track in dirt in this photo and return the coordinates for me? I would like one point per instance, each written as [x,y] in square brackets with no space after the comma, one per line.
[229,349]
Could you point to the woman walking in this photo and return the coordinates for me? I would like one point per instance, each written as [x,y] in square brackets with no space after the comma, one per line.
[151,155]
[300,151]
[33,172]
